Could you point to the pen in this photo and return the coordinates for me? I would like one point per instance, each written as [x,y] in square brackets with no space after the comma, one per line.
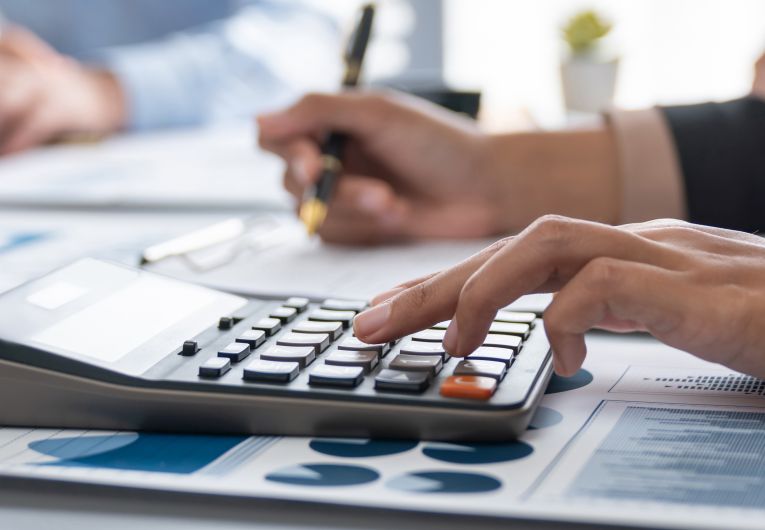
[314,207]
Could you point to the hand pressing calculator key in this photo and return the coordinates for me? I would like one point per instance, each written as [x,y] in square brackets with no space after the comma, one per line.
[101,346]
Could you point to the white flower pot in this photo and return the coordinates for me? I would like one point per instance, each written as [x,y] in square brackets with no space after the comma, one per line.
[588,82]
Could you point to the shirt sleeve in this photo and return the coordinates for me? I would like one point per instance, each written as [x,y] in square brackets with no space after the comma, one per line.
[651,177]
[262,57]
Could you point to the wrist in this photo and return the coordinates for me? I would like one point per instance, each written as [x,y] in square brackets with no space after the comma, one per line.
[107,109]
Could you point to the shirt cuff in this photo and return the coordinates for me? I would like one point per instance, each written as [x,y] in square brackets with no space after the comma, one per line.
[651,178]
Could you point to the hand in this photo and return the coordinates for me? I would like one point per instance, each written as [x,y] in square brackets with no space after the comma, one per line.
[45,95]
[758,85]
[413,170]
[696,288]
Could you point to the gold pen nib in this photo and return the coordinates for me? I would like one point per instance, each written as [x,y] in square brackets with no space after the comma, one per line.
[312,213]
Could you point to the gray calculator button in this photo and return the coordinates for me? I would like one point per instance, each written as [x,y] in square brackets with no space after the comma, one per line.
[325,315]
[366,359]
[329,375]
[493,369]
[522,317]
[190,347]
[396,380]
[512,342]
[271,371]
[489,353]
[285,314]
[424,348]
[301,355]
[430,335]
[252,337]
[236,351]
[430,364]
[352,343]
[510,328]
[269,325]
[333,329]
[298,303]
[334,304]
[318,341]
[214,367]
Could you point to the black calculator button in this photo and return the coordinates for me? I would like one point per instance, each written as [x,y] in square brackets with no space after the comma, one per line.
[225,323]
[325,315]
[318,341]
[302,355]
[271,371]
[489,353]
[430,364]
[190,347]
[430,335]
[334,304]
[214,367]
[285,314]
[300,304]
[366,359]
[424,348]
[269,325]
[329,375]
[521,317]
[510,328]
[512,342]
[252,337]
[333,329]
[236,351]
[482,368]
[399,381]
[354,344]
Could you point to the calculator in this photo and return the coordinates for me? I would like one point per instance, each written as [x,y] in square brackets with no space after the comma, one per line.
[97,345]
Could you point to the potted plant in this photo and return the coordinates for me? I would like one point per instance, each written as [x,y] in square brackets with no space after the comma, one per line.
[588,72]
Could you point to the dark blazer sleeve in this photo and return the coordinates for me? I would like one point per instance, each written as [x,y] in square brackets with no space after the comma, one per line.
[721,149]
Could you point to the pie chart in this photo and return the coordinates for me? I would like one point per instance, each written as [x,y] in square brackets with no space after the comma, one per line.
[477,453]
[359,447]
[323,475]
[564,384]
[444,482]
[545,417]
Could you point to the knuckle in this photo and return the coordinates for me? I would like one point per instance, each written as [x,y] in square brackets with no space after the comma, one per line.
[552,230]
[603,274]
[413,298]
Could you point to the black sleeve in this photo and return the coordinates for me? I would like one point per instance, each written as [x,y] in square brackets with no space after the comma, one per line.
[721,148]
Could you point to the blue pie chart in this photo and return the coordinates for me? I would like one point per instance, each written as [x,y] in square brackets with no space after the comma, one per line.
[564,384]
[323,475]
[545,417]
[360,447]
[444,482]
[477,453]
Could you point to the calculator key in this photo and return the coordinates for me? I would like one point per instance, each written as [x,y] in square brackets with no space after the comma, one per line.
[424,348]
[357,306]
[325,315]
[352,343]
[441,325]
[303,355]
[318,341]
[285,314]
[252,337]
[225,323]
[512,342]
[510,328]
[430,335]
[468,387]
[430,364]
[214,367]
[493,369]
[489,353]
[366,359]
[397,380]
[521,317]
[236,351]
[271,371]
[269,325]
[299,303]
[190,347]
[333,329]
[329,375]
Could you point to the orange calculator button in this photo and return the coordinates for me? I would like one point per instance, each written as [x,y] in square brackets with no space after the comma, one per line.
[468,387]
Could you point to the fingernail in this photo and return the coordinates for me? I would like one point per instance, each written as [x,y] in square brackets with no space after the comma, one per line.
[300,171]
[387,295]
[450,337]
[371,320]
[372,201]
